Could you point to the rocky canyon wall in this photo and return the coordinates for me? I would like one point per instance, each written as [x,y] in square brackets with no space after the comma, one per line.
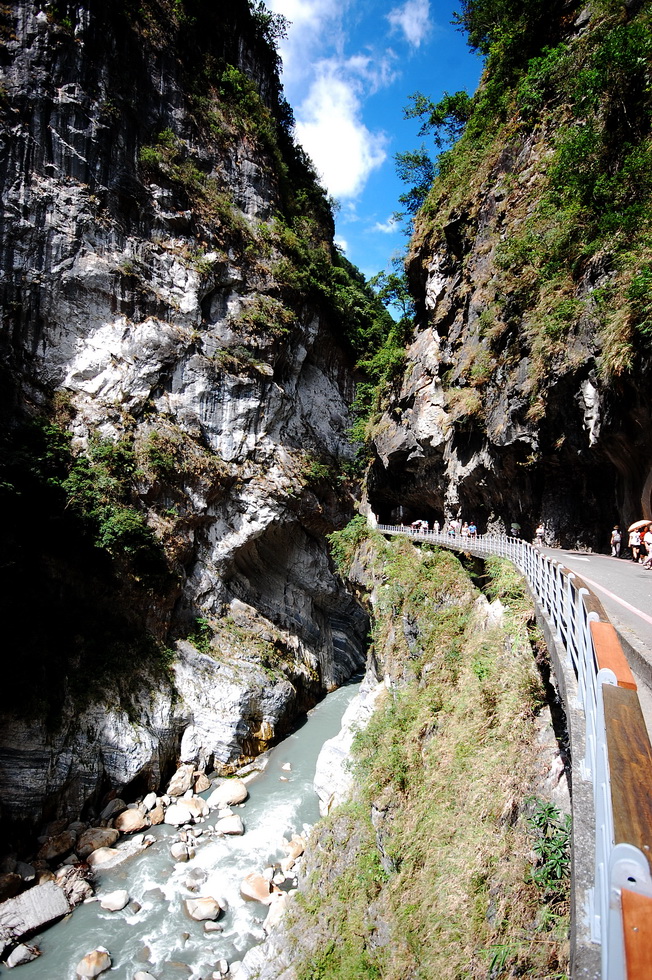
[168,335]
[525,395]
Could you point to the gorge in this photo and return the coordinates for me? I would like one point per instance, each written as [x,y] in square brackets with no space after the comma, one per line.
[185,354]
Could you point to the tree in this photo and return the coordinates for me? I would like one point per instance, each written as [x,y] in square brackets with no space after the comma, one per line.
[445,119]
[415,167]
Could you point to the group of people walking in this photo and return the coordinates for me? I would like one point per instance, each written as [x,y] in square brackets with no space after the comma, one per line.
[639,542]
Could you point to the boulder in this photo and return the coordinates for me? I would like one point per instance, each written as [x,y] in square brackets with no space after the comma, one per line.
[157,815]
[115,901]
[149,802]
[228,793]
[10,884]
[106,857]
[211,926]
[258,889]
[231,826]
[30,911]
[202,782]
[57,847]
[185,811]
[95,837]
[181,852]
[203,908]
[22,954]
[112,809]
[276,912]
[94,963]
[294,848]
[75,886]
[141,975]
[131,821]
[182,780]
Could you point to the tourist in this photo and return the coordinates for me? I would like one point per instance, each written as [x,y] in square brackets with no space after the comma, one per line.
[465,530]
[538,535]
[436,525]
[647,543]
[615,542]
[635,544]
[473,531]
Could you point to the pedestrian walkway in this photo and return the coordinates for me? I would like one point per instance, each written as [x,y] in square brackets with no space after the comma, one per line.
[625,590]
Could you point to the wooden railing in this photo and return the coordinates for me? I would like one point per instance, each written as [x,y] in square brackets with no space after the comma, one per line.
[617,757]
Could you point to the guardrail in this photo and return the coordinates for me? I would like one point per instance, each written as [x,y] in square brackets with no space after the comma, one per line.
[617,759]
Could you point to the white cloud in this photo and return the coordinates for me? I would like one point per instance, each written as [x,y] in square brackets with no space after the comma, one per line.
[331,130]
[330,118]
[341,243]
[387,227]
[310,22]
[413,19]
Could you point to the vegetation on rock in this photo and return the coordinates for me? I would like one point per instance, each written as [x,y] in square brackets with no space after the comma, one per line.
[429,871]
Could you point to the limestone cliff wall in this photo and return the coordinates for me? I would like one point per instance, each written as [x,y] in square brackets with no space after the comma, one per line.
[526,392]
[154,242]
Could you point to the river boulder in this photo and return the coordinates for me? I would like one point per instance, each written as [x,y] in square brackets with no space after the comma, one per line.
[57,847]
[202,782]
[32,910]
[203,908]
[95,837]
[22,954]
[131,821]
[258,889]
[94,963]
[181,781]
[230,826]
[228,793]
[115,901]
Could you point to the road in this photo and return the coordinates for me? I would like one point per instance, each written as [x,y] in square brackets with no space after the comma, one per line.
[625,591]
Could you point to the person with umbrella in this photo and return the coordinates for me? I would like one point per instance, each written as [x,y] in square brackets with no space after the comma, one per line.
[634,531]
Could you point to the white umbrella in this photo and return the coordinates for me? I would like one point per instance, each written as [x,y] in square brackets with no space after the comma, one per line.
[637,525]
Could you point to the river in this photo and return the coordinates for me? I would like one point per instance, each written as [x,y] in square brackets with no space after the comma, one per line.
[161,938]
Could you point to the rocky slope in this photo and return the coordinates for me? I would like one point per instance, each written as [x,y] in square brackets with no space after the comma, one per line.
[524,396]
[175,401]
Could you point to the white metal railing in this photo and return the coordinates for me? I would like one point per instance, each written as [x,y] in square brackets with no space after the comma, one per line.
[561,599]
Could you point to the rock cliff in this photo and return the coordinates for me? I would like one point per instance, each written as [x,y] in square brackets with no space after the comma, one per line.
[175,403]
[524,396]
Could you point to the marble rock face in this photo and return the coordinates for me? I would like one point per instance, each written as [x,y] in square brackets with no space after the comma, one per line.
[142,335]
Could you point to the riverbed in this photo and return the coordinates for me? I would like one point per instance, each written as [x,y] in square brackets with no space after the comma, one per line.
[161,938]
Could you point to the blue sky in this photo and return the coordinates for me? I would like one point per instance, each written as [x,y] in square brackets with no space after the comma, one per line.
[349,67]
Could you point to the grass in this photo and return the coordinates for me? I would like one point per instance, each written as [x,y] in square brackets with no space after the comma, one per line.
[441,884]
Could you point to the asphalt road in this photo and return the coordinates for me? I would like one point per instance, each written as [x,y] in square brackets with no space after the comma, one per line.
[625,591]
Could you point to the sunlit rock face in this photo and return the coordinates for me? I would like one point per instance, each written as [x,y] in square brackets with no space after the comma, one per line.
[507,409]
[146,286]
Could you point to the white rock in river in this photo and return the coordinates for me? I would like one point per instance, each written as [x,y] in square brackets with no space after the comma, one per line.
[184,812]
[228,793]
[203,908]
[141,975]
[94,963]
[181,852]
[22,954]
[231,825]
[115,901]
